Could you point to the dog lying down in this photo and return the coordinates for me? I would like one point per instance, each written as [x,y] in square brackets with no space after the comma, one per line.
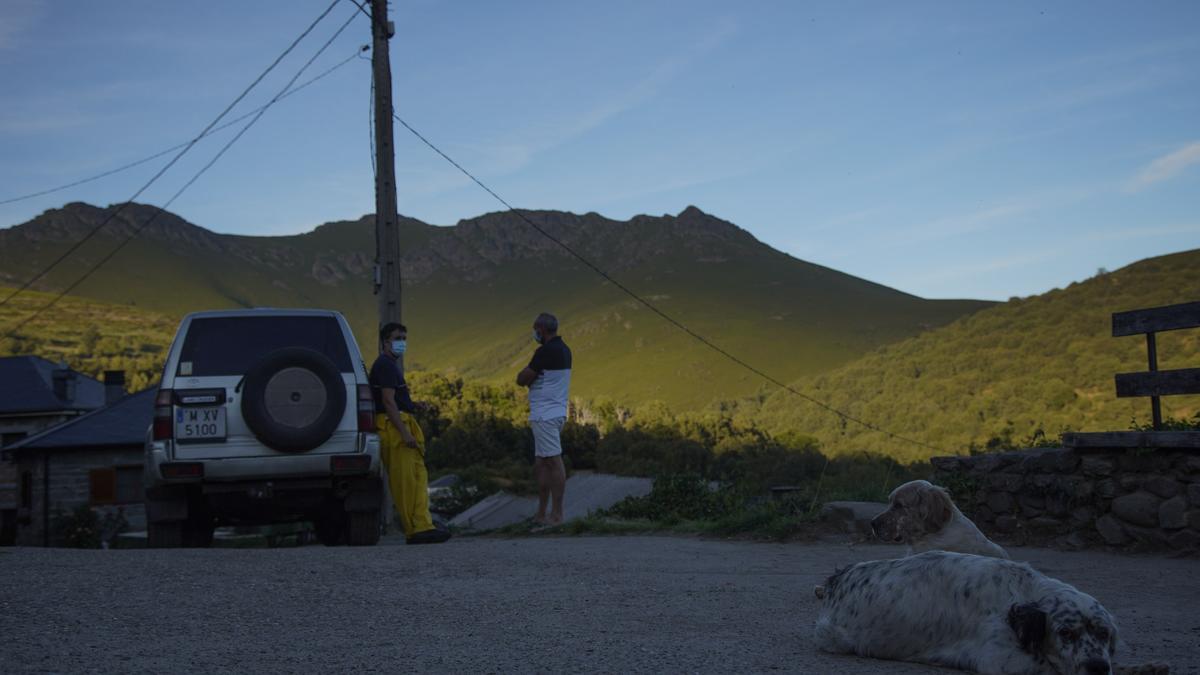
[975,613]
[922,515]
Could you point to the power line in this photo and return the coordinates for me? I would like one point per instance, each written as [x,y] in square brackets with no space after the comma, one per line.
[214,130]
[703,340]
[74,247]
[185,186]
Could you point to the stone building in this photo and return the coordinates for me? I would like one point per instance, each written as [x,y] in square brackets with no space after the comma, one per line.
[94,460]
[36,394]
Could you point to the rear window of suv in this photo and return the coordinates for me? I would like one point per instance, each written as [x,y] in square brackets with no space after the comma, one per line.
[231,345]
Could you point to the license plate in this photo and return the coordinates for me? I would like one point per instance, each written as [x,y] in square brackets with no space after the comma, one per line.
[200,424]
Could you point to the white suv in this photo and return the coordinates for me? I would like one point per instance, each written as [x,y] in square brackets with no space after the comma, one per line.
[263,416]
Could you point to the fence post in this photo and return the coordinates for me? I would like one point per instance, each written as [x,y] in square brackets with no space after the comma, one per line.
[1155,406]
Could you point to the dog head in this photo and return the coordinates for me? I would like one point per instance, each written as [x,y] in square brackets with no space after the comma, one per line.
[1070,630]
[916,509]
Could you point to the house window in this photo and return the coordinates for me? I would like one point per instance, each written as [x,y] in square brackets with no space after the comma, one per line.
[104,486]
[27,489]
[129,485]
[116,485]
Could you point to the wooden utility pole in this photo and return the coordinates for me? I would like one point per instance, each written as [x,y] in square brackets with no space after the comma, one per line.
[387,229]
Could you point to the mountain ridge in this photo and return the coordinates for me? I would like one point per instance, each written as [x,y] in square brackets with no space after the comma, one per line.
[472,287]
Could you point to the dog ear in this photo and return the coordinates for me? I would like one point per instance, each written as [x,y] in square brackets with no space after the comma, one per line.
[1028,621]
[936,507]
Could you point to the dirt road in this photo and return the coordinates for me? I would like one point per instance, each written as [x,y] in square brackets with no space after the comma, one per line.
[649,604]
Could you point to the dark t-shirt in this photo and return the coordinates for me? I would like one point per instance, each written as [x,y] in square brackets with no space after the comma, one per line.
[385,374]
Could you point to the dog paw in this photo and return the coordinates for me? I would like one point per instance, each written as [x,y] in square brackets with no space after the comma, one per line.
[819,591]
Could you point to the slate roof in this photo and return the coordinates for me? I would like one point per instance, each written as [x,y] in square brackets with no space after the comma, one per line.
[122,423]
[27,386]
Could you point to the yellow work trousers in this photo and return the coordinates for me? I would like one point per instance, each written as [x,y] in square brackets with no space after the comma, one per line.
[407,478]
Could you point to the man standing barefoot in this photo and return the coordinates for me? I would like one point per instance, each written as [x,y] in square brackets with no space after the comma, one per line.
[548,376]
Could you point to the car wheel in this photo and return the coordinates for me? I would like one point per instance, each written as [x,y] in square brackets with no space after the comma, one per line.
[293,399]
[362,528]
[198,533]
[328,527]
[164,535]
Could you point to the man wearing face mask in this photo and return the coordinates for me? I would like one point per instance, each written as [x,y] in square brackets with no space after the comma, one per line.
[402,444]
[548,377]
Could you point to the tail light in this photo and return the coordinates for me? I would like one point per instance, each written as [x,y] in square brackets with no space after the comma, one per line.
[366,409]
[343,465]
[182,470]
[164,422]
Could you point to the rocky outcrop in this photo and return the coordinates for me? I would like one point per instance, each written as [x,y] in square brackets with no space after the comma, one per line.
[334,253]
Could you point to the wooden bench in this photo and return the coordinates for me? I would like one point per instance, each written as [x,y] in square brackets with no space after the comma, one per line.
[1153,382]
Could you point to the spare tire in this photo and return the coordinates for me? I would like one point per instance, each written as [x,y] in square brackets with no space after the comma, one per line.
[293,399]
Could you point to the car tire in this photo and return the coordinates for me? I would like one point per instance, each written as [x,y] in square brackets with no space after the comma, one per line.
[329,527]
[293,399]
[362,528]
[198,533]
[164,535]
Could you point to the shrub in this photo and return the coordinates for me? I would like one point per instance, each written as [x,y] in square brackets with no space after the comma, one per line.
[678,497]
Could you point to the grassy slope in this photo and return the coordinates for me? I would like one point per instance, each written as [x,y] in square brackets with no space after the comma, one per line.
[1046,361]
[785,316]
[133,340]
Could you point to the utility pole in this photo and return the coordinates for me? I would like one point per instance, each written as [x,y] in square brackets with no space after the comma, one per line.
[387,229]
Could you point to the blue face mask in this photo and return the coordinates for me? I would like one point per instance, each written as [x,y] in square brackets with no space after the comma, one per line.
[399,346]
[537,337]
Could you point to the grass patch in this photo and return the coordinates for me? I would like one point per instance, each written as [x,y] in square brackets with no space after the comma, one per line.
[688,504]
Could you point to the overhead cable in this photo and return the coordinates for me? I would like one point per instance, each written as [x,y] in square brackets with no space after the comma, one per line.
[844,416]
[74,247]
[160,210]
[226,125]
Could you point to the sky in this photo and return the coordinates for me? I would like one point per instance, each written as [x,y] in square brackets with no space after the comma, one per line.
[950,150]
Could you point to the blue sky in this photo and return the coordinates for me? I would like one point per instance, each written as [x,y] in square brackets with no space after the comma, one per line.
[956,149]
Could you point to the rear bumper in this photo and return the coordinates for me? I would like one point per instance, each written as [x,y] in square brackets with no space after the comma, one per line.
[314,465]
[266,489]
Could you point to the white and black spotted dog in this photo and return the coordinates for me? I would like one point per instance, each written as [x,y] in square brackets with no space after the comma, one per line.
[976,613]
[923,516]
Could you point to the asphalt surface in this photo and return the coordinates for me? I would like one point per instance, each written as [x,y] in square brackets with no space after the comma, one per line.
[544,604]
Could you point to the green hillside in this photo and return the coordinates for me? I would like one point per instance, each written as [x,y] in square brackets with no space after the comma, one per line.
[90,336]
[1041,362]
[472,290]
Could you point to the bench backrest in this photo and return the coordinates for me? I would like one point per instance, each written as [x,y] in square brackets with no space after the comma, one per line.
[1155,382]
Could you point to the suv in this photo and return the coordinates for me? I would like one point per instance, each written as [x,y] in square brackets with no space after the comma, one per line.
[263,416]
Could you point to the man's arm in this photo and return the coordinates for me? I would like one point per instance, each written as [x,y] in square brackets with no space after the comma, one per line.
[393,413]
[526,377]
[536,365]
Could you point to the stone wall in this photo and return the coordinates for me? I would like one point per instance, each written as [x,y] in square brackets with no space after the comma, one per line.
[1127,499]
[70,487]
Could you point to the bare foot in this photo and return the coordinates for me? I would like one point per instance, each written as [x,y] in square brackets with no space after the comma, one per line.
[555,520]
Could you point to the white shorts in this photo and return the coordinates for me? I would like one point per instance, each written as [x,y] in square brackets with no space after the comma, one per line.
[546,436]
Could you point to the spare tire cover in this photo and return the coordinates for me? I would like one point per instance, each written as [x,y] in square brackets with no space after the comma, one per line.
[293,399]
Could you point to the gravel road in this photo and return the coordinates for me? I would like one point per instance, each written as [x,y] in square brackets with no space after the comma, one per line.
[548,604]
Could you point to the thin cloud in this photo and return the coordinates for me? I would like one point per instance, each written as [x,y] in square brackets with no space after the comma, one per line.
[513,156]
[941,276]
[966,223]
[989,217]
[16,18]
[1165,167]
[1143,232]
